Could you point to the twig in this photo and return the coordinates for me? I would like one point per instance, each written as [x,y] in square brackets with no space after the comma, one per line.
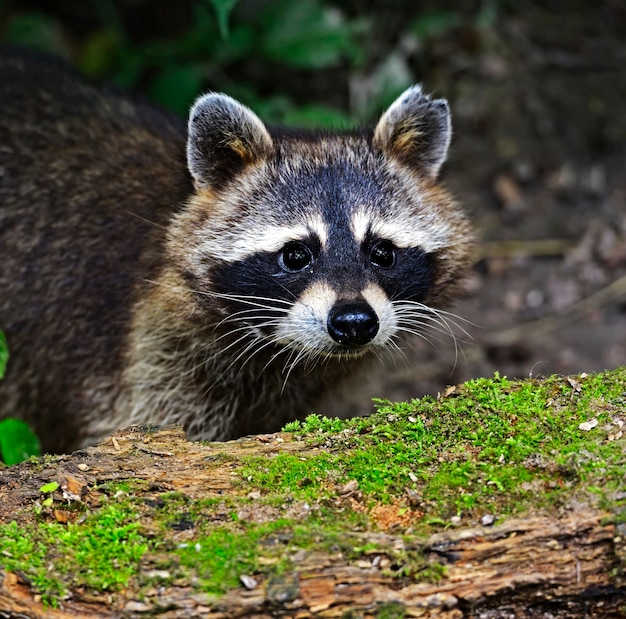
[552,322]
[541,247]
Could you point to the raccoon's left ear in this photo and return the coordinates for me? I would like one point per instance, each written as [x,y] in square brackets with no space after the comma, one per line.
[224,136]
[416,130]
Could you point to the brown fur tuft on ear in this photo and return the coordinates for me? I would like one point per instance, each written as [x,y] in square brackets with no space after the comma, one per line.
[224,136]
[415,130]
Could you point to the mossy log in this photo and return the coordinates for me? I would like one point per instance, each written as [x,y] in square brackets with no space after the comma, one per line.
[353,553]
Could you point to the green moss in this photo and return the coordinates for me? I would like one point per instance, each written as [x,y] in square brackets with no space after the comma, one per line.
[491,446]
[101,553]
[218,560]
[487,446]
[390,610]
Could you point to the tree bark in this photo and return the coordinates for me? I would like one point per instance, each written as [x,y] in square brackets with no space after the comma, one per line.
[537,566]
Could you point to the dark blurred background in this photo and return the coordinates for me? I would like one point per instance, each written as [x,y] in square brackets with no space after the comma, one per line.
[538,93]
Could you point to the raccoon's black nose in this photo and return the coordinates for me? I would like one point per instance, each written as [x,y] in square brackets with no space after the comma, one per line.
[353,324]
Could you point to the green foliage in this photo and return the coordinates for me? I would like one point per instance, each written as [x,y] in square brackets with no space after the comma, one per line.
[35,29]
[50,487]
[48,501]
[431,24]
[17,441]
[224,46]
[308,34]
[222,10]
[263,53]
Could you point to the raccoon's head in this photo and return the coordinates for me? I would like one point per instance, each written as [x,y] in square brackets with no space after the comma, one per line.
[323,243]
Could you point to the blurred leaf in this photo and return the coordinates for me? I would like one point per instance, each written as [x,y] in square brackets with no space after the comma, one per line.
[488,14]
[100,53]
[306,34]
[17,441]
[280,109]
[435,23]
[375,92]
[242,44]
[222,10]
[321,116]
[176,87]
[130,68]
[36,30]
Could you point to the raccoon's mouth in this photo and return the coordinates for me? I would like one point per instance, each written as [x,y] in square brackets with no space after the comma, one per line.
[342,329]
[346,352]
[324,348]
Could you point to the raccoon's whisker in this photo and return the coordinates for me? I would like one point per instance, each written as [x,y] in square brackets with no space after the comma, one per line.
[257,342]
[258,322]
[252,331]
[252,314]
[294,356]
[244,354]
[257,307]
[413,330]
[407,325]
[448,317]
[280,351]
[399,353]
[301,354]
[310,361]
[399,343]
[146,220]
[430,334]
[379,355]
[252,349]
[249,299]
[406,316]
[289,292]
[419,314]
[248,337]
[253,300]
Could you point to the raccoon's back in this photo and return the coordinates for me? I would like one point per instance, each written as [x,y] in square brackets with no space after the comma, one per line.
[88,182]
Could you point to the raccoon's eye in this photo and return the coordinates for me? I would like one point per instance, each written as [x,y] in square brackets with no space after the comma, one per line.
[383,255]
[295,257]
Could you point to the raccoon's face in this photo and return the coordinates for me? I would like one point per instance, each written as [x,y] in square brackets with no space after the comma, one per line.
[324,244]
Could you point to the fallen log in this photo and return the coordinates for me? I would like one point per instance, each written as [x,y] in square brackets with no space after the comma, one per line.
[148,524]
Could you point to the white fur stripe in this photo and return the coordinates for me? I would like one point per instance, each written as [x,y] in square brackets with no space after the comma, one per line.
[268,238]
[428,233]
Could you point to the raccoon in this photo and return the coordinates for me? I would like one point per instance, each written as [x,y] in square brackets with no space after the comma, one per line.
[225,275]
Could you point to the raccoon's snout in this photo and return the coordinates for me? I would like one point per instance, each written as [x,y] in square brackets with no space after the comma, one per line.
[353,324]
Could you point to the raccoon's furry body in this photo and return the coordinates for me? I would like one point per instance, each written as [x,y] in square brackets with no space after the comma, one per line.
[225,276]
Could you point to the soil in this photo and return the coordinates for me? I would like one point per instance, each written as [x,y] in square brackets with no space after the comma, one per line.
[539,160]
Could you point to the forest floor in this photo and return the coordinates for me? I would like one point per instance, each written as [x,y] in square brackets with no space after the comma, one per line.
[538,159]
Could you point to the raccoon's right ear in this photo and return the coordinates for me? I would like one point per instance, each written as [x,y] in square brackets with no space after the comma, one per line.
[416,130]
[224,136]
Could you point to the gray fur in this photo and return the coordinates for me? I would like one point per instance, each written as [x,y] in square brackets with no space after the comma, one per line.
[224,136]
[417,130]
[135,289]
